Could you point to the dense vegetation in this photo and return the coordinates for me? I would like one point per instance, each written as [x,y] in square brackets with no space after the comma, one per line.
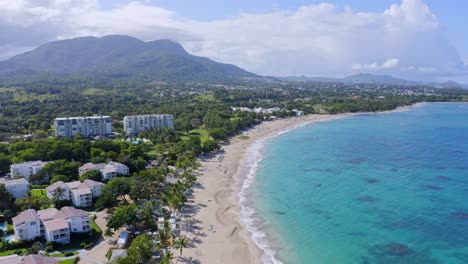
[114,57]
[203,117]
[31,108]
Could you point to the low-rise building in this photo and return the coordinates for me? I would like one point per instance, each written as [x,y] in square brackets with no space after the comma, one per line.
[90,166]
[135,124]
[26,169]
[78,219]
[298,113]
[17,187]
[82,197]
[52,224]
[57,231]
[51,191]
[81,194]
[108,171]
[27,225]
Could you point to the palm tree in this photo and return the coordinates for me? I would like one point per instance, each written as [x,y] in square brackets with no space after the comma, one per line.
[59,193]
[167,258]
[164,240]
[36,247]
[108,233]
[29,197]
[167,228]
[180,244]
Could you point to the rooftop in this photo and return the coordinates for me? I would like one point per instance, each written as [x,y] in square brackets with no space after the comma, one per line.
[30,163]
[147,115]
[91,166]
[114,164]
[56,224]
[90,183]
[13,181]
[109,169]
[73,212]
[55,185]
[81,191]
[38,259]
[12,259]
[25,216]
[47,214]
[82,117]
[73,185]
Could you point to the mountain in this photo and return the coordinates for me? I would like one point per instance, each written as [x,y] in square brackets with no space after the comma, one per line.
[115,56]
[375,79]
[379,79]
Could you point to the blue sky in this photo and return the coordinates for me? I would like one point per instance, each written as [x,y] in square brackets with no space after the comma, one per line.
[412,39]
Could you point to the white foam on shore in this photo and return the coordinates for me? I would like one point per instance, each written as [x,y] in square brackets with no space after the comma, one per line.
[251,161]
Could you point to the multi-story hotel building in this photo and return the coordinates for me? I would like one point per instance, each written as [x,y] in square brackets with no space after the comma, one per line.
[139,123]
[89,126]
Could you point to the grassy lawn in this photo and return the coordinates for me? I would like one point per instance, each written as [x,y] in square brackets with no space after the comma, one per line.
[95,91]
[10,252]
[77,239]
[4,89]
[206,98]
[22,96]
[67,261]
[94,226]
[201,132]
[39,192]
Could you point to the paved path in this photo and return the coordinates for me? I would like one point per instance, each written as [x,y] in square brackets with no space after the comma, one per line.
[97,255]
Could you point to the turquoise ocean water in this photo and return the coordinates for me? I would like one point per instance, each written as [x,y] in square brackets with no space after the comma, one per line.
[370,188]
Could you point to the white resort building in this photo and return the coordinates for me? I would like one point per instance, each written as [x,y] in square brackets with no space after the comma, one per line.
[17,187]
[52,224]
[26,169]
[108,171]
[88,126]
[135,124]
[81,194]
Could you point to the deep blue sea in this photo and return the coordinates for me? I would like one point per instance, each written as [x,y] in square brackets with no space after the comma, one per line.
[370,188]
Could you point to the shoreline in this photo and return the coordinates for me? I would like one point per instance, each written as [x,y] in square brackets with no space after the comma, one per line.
[225,232]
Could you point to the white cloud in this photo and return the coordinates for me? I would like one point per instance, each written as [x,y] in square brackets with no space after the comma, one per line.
[388,64]
[318,39]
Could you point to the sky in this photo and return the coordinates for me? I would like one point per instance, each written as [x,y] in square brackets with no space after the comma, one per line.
[412,39]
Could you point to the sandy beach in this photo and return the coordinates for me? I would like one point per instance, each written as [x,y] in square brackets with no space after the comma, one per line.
[215,228]
[213,224]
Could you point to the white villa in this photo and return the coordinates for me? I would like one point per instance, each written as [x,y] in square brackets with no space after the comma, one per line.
[108,171]
[80,193]
[26,169]
[258,110]
[298,113]
[52,224]
[17,187]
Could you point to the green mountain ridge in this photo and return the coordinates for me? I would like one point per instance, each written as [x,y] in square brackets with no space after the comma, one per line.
[115,56]
[367,78]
